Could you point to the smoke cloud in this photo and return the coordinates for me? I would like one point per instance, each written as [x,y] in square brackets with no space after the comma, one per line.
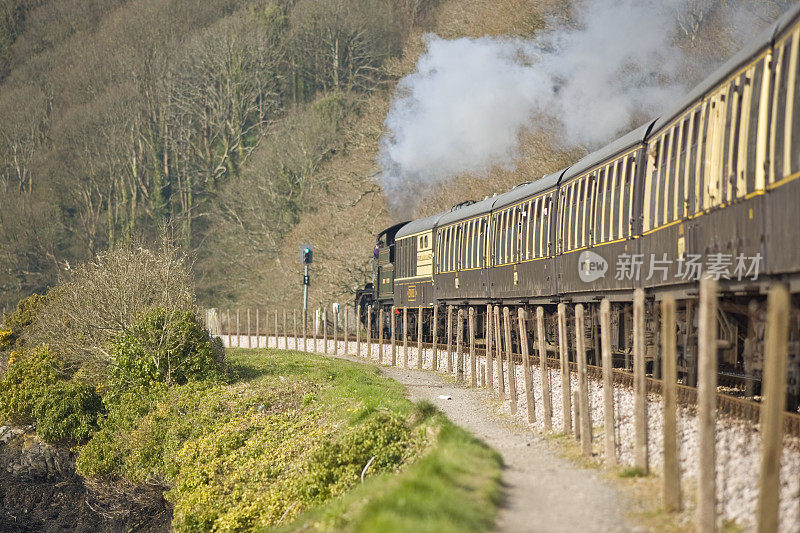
[469,100]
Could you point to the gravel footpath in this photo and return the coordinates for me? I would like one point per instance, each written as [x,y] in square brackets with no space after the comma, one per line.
[542,491]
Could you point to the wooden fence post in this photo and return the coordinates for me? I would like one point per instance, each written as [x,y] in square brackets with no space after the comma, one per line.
[669,375]
[276,329]
[526,364]
[544,369]
[584,408]
[566,386]
[498,335]
[459,348]
[249,338]
[487,327]
[405,337]
[346,330]
[369,332]
[512,374]
[394,336]
[358,330]
[294,329]
[435,332]
[381,322]
[450,339]
[576,414]
[419,337]
[608,383]
[285,332]
[324,317]
[706,406]
[229,328]
[772,406]
[258,329]
[238,331]
[473,367]
[639,384]
[335,313]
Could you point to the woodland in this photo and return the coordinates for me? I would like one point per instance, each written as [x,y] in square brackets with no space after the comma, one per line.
[237,130]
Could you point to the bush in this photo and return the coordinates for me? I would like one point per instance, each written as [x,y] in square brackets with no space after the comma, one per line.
[18,321]
[336,467]
[105,297]
[164,346]
[67,412]
[29,375]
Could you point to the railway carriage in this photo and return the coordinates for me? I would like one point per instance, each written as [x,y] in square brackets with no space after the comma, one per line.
[715,178]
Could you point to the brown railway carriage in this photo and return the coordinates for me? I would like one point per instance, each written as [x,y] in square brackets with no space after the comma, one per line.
[714,178]
[599,198]
[461,263]
[414,273]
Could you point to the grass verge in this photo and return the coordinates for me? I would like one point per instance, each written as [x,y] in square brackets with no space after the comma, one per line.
[284,442]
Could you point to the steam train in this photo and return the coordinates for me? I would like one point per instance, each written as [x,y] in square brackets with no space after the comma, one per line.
[709,188]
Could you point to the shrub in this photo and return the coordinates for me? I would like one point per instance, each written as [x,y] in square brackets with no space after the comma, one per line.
[105,297]
[20,319]
[28,376]
[67,412]
[164,346]
[336,467]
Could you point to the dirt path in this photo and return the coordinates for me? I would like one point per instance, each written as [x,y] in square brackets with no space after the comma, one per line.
[542,491]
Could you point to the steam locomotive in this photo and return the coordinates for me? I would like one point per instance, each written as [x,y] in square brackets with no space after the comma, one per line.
[709,188]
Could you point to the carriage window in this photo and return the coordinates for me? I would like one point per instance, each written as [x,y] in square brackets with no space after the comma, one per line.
[726,140]
[782,80]
[600,216]
[627,191]
[500,236]
[794,140]
[568,221]
[462,249]
[511,233]
[752,132]
[690,189]
[474,248]
[702,178]
[544,222]
[563,219]
[475,243]
[536,214]
[588,215]
[527,230]
[669,197]
[663,178]
[611,201]
[681,170]
[578,210]
[498,233]
[472,244]
[438,254]
[654,180]
[451,237]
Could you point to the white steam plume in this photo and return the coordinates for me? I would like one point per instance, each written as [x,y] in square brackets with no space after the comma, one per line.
[464,108]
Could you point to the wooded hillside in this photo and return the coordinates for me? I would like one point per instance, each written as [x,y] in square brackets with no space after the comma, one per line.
[237,129]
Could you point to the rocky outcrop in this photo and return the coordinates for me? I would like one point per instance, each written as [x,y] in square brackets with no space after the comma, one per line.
[40,491]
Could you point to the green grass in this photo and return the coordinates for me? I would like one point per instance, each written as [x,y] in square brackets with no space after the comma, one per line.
[348,390]
[455,487]
[283,442]
[632,471]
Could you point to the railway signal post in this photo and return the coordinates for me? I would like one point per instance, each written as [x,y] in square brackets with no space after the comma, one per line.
[307,257]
